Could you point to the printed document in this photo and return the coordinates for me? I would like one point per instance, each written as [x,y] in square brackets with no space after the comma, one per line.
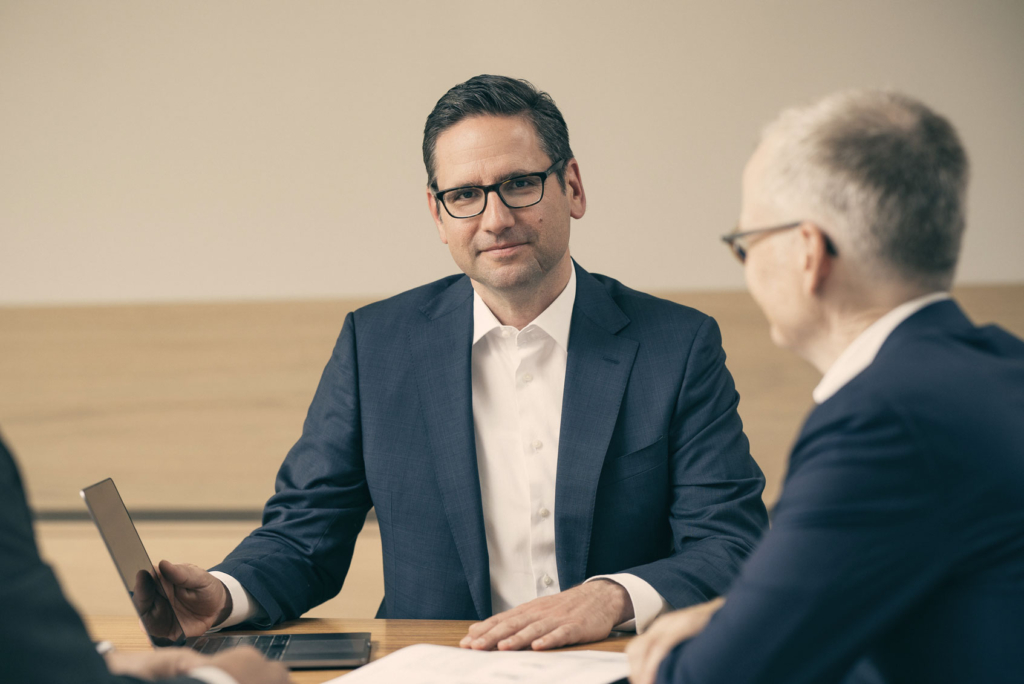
[430,664]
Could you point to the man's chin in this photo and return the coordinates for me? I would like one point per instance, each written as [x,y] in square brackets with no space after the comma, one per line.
[509,277]
[779,338]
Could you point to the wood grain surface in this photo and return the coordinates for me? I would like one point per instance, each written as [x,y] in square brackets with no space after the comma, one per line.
[387,636]
[193,406]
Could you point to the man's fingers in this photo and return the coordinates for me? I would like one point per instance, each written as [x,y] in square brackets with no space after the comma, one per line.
[641,656]
[527,635]
[480,628]
[558,637]
[652,660]
[163,663]
[501,630]
[646,652]
[635,651]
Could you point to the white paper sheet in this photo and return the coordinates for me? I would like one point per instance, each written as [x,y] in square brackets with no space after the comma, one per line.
[430,664]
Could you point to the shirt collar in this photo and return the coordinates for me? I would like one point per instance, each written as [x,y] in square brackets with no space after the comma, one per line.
[862,351]
[554,320]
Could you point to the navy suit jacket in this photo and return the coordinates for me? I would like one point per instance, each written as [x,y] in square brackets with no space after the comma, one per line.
[42,639]
[654,474]
[898,542]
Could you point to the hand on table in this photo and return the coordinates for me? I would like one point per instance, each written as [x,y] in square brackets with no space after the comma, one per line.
[648,650]
[578,615]
[248,666]
[201,601]
[244,663]
[163,663]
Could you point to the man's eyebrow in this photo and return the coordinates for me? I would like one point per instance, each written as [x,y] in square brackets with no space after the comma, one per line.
[517,172]
[501,179]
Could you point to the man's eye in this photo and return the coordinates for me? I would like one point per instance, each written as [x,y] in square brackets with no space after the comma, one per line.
[462,196]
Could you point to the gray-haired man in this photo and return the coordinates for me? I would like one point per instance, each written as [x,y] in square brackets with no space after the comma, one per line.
[897,548]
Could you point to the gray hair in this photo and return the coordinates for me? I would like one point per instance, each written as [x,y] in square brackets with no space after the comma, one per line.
[884,175]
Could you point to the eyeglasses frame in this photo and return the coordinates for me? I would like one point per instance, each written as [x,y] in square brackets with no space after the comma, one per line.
[438,195]
[740,252]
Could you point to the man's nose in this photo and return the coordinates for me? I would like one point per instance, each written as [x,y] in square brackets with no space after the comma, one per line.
[496,217]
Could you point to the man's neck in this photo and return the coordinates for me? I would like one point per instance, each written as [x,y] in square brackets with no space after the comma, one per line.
[519,307]
[838,334]
[842,324]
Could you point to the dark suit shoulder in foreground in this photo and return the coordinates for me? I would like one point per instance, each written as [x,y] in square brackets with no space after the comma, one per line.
[897,547]
[42,639]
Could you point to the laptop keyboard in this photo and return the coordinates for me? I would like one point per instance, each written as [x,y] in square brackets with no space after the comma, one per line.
[272,646]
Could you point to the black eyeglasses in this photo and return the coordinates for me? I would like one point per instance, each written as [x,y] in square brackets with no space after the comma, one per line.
[739,241]
[515,193]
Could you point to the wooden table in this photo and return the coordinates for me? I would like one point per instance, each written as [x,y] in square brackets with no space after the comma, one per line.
[387,636]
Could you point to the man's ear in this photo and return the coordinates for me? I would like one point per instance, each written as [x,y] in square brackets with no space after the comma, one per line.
[574,189]
[817,262]
[434,207]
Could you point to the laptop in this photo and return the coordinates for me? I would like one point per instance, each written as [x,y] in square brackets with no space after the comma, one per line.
[296,651]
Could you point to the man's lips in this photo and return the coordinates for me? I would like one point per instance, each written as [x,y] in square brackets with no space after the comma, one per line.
[500,250]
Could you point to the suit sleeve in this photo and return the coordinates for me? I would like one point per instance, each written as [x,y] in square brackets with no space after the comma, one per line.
[300,555]
[857,538]
[716,515]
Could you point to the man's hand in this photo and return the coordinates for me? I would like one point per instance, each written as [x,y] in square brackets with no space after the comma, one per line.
[163,663]
[578,615]
[201,601]
[248,666]
[245,664]
[647,651]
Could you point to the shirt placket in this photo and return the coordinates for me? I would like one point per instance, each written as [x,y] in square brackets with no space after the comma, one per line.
[539,446]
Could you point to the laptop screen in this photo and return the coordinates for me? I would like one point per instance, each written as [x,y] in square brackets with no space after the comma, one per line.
[136,570]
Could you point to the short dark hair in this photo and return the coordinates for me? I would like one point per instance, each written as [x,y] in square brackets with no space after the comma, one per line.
[498,96]
[892,167]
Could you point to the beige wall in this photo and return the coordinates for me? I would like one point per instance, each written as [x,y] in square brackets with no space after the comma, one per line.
[194,150]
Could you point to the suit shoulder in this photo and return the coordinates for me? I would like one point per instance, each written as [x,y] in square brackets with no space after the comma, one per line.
[952,389]
[977,359]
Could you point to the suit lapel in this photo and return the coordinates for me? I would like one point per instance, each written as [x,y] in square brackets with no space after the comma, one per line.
[597,372]
[443,347]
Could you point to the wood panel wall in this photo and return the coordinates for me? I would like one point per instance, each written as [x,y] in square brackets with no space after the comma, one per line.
[193,406]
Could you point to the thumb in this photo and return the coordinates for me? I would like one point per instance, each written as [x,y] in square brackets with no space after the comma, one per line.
[184,575]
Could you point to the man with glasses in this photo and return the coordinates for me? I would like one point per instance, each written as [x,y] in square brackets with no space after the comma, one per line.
[896,552]
[519,429]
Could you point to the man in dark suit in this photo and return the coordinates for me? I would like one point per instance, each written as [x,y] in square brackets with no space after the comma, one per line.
[897,548]
[42,639]
[519,429]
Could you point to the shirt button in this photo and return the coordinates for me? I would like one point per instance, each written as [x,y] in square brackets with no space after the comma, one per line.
[547,581]
[543,512]
[537,445]
[527,377]
[505,332]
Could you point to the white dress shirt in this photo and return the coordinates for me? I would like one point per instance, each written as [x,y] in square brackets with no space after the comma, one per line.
[518,380]
[862,351]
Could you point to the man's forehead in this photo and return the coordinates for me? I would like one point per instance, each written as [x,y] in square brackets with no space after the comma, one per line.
[480,147]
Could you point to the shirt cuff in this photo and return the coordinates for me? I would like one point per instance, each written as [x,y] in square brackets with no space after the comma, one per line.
[211,675]
[648,604]
[243,605]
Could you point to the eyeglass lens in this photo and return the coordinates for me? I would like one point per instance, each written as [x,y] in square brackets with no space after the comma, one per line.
[517,193]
